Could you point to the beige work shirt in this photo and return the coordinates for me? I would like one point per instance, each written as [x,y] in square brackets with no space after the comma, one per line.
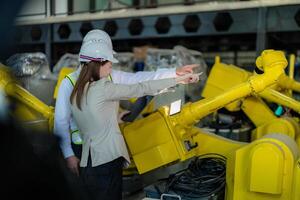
[97,119]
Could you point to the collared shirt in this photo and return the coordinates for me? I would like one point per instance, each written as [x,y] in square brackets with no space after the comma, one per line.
[97,119]
[63,121]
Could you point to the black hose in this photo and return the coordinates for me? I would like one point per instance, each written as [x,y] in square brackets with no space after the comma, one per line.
[204,177]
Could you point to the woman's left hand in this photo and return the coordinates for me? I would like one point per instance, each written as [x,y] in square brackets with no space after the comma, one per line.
[187,69]
[188,78]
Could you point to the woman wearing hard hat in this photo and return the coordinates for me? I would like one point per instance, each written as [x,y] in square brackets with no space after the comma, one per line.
[94,104]
[64,126]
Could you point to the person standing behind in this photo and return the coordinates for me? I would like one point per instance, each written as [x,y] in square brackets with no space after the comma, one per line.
[94,104]
[65,127]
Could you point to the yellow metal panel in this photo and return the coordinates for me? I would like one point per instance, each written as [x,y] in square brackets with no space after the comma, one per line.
[150,142]
[146,133]
[279,125]
[233,75]
[156,157]
[216,85]
[296,183]
[266,169]
[239,168]
[257,111]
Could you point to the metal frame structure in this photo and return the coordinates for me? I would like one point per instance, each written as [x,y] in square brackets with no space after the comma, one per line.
[259,20]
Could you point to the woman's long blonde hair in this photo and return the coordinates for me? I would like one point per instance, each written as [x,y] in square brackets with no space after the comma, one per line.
[88,74]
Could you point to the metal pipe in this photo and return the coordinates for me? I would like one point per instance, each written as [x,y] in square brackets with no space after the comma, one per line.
[271,62]
[281,99]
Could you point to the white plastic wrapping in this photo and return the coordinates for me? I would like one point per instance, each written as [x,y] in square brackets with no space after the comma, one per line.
[126,62]
[177,57]
[33,71]
[29,64]
[67,60]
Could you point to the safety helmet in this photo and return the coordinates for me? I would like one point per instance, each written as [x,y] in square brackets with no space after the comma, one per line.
[98,34]
[96,50]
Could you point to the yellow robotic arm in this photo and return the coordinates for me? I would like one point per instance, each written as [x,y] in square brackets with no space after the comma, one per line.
[257,111]
[169,138]
[29,110]
[269,167]
[266,169]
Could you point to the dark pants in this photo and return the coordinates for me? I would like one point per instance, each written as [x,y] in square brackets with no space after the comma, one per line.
[103,182]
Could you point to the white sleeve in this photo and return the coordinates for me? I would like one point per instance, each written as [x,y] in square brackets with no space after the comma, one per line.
[115,91]
[62,117]
[132,78]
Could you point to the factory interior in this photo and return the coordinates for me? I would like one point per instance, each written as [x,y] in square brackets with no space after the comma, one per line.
[226,126]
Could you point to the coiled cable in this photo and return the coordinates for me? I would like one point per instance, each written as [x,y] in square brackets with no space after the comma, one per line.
[204,177]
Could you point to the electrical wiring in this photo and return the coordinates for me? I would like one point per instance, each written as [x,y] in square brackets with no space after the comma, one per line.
[204,177]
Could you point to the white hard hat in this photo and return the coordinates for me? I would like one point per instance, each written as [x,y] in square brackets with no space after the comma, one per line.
[98,34]
[96,50]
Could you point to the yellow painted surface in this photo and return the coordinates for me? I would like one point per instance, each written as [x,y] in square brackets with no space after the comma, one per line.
[150,142]
[280,98]
[30,111]
[261,170]
[279,125]
[257,110]
[291,70]
[266,164]
[62,74]
[296,182]
[223,77]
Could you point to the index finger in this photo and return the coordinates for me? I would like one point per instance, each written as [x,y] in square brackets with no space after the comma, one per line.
[198,74]
[192,66]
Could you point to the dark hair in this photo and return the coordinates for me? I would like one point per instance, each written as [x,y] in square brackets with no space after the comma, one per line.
[88,74]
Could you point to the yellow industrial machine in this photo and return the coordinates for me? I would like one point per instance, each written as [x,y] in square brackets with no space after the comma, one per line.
[253,106]
[28,110]
[182,124]
[265,169]
[281,92]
